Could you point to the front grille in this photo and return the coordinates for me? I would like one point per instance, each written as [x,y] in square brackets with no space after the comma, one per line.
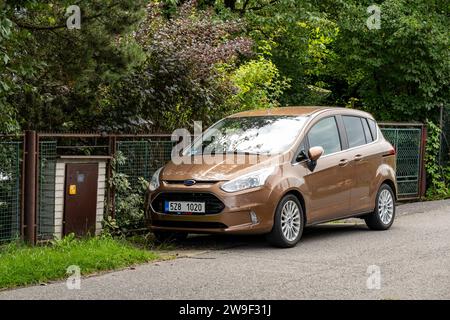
[188,224]
[212,204]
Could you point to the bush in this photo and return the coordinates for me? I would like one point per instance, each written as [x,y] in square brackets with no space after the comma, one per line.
[129,201]
[259,85]
[438,176]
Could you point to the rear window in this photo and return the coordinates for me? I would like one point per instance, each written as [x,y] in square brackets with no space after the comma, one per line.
[355,131]
[373,128]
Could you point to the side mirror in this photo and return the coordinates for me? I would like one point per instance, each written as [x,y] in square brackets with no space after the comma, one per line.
[315,153]
[301,156]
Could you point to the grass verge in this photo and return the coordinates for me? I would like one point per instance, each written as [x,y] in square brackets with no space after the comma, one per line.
[24,265]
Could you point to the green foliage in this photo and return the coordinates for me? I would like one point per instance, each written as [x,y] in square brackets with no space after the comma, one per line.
[111,228]
[301,37]
[400,72]
[158,65]
[179,80]
[259,85]
[438,177]
[8,123]
[23,265]
[129,202]
[54,74]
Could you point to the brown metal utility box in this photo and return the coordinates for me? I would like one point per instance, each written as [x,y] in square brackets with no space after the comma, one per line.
[80,198]
[80,188]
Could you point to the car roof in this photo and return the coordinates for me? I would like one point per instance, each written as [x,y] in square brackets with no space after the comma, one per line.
[296,111]
[282,111]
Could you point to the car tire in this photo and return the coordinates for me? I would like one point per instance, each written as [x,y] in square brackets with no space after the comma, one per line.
[383,216]
[166,237]
[288,223]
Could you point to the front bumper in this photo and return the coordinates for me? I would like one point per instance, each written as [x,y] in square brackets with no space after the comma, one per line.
[234,218]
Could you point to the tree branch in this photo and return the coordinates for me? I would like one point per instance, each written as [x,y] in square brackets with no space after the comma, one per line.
[244,7]
[26,26]
[262,6]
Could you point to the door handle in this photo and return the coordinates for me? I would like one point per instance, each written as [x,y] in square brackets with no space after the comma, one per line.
[358,157]
[343,162]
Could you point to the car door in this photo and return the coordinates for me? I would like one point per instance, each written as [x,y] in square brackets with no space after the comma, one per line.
[328,182]
[362,162]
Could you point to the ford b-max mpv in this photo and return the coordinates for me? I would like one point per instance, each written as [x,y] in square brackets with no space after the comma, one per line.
[274,172]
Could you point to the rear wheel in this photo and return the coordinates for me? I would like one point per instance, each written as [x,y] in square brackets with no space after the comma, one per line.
[383,216]
[288,223]
[164,236]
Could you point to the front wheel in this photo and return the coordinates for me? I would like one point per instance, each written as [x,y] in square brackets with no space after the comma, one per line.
[383,216]
[288,223]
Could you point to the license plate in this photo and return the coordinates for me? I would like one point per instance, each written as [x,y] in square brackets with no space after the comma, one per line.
[184,207]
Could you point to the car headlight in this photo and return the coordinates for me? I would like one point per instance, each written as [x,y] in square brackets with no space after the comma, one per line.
[154,182]
[250,180]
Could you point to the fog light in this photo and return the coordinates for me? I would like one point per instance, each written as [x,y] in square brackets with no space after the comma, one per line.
[253,217]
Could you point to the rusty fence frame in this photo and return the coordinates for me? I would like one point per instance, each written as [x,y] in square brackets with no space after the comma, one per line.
[422,148]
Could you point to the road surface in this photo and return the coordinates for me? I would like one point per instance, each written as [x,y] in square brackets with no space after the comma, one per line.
[333,261]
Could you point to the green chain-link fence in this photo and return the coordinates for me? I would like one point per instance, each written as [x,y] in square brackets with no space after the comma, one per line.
[143,158]
[10,158]
[407,142]
[46,199]
[140,159]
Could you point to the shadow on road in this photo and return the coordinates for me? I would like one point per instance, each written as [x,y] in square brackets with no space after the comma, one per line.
[221,242]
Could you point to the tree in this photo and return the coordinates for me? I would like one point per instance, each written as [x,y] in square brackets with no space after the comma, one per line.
[299,34]
[181,79]
[400,72]
[56,73]
[8,123]
[259,85]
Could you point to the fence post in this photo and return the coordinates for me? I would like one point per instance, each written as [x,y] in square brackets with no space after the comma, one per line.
[423,173]
[111,203]
[30,187]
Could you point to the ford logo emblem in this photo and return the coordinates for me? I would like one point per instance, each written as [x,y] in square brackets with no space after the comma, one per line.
[189,182]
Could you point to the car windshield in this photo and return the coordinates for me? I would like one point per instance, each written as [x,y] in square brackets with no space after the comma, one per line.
[249,135]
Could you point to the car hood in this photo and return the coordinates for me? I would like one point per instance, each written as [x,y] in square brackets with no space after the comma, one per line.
[220,170]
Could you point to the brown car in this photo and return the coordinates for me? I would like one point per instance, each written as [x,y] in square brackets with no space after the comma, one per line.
[274,172]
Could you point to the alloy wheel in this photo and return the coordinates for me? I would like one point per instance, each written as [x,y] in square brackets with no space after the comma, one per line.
[290,220]
[385,206]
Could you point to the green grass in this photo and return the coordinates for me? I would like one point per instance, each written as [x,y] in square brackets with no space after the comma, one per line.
[24,265]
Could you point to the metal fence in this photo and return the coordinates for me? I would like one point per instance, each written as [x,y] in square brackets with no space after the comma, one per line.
[46,199]
[407,140]
[143,157]
[10,165]
[143,154]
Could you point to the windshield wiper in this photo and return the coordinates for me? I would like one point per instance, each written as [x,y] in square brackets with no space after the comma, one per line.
[236,152]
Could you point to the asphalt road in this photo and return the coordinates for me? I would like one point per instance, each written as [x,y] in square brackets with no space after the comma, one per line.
[332,261]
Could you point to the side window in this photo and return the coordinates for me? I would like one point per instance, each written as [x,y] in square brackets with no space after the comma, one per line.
[367,132]
[302,145]
[355,131]
[325,134]
[373,128]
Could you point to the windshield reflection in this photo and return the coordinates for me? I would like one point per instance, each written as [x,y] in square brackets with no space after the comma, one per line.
[249,135]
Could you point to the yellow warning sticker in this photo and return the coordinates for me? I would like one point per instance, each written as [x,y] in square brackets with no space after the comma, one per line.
[72,189]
